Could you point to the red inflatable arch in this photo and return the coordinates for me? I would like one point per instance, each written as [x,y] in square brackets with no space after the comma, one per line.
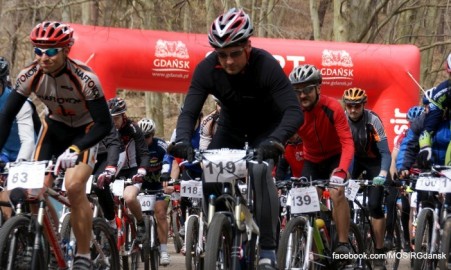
[164,61]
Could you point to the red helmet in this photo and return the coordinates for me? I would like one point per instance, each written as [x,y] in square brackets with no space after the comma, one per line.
[52,35]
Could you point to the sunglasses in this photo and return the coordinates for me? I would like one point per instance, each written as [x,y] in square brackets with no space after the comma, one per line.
[232,54]
[356,106]
[148,136]
[305,90]
[49,52]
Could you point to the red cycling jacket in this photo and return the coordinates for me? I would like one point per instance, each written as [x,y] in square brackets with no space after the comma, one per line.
[325,132]
[295,157]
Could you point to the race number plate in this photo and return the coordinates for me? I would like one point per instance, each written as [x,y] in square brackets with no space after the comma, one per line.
[191,189]
[28,175]
[351,190]
[304,200]
[224,165]
[430,183]
[118,187]
[447,183]
[147,202]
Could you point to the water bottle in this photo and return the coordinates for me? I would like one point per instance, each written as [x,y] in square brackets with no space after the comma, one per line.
[321,225]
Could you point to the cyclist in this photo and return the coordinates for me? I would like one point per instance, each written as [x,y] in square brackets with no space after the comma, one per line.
[328,144]
[105,170]
[372,155]
[157,149]
[258,106]
[208,126]
[440,103]
[21,139]
[290,165]
[77,120]
[136,162]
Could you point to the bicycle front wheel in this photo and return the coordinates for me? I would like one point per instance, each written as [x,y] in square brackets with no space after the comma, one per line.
[392,261]
[193,260]
[104,252]
[291,253]
[218,250]
[16,245]
[423,240]
[175,225]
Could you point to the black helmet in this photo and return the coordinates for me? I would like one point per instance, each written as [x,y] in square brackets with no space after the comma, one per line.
[117,106]
[4,68]
[305,74]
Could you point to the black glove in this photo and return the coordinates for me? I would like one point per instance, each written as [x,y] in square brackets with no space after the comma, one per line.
[165,177]
[182,149]
[270,149]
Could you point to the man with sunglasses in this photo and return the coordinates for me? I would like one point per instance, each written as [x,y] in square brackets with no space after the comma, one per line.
[258,107]
[372,155]
[328,145]
[76,121]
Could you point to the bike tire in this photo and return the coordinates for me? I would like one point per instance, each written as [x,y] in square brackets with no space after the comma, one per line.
[154,255]
[175,224]
[104,235]
[423,239]
[445,263]
[16,240]
[357,244]
[128,236]
[145,250]
[218,248]
[295,235]
[393,264]
[193,260]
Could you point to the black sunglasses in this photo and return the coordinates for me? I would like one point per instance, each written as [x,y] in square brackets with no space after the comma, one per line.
[232,54]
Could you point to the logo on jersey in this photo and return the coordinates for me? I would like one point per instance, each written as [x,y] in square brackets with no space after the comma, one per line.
[338,68]
[171,60]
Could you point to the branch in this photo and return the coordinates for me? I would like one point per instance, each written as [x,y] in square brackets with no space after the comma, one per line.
[24,8]
[436,44]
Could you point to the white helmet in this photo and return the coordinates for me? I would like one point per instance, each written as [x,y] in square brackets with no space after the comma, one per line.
[147,126]
[448,63]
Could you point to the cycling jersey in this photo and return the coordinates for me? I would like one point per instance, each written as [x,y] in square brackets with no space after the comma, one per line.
[441,99]
[73,97]
[258,102]
[325,133]
[370,141]
[295,158]
[137,154]
[157,150]
[20,142]
[111,146]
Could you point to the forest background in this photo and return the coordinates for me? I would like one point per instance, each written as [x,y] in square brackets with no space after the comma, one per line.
[426,24]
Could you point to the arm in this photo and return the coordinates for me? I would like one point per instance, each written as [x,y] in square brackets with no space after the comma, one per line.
[114,147]
[26,132]
[287,102]
[102,124]
[384,150]
[8,113]
[345,136]
[142,151]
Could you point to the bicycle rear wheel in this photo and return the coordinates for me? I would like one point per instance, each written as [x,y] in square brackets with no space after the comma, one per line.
[16,244]
[291,253]
[218,249]
[423,236]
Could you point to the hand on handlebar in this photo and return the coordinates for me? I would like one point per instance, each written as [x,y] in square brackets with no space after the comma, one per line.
[105,178]
[182,149]
[139,177]
[270,149]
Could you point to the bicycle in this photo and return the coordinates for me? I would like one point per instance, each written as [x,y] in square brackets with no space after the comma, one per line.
[362,218]
[195,224]
[310,235]
[176,217]
[27,240]
[151,247]
[232,235]
[430,220]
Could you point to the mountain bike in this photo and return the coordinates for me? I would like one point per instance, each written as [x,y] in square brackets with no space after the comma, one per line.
[232,236]
[430,220]
[310,236]
[357,192]
[195,224]
[26,240]
[150,247]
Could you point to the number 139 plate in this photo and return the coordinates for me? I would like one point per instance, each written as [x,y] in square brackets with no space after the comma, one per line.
[304,200]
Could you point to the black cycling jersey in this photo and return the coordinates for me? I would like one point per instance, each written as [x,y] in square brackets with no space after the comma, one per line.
[258,102]
[137,154]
